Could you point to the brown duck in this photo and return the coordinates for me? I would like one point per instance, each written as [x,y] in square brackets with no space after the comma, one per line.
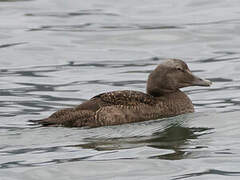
[163,99]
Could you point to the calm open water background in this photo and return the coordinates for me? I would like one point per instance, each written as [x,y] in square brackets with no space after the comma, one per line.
[57,53]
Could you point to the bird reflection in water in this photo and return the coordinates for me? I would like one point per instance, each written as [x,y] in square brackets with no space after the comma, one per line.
[175,137]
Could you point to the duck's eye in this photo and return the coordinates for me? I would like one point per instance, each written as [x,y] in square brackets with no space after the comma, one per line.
[180,69]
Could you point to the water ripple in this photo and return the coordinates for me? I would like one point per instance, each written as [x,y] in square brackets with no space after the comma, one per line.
[91,27]
[209,172]
[12,44]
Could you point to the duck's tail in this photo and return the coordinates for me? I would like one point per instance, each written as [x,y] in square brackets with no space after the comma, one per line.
[43,122]
[70,119]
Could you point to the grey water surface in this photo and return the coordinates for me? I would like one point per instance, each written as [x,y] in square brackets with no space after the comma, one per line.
[57,53]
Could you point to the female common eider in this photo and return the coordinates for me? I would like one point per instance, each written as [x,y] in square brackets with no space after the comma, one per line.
[163,99]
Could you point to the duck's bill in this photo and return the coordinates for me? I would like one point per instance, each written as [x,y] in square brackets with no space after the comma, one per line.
[201,82]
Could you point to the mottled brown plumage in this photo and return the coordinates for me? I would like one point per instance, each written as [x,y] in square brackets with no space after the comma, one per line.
[163,99]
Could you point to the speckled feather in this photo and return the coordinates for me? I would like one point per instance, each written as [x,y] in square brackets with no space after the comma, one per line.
[126,97]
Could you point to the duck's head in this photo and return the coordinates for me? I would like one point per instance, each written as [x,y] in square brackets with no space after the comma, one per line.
[170,76]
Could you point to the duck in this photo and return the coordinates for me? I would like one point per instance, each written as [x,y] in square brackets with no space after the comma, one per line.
[163,98]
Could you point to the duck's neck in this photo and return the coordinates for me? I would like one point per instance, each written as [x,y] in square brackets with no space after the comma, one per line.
[161,93]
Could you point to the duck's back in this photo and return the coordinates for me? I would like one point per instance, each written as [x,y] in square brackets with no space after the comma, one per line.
[126,98]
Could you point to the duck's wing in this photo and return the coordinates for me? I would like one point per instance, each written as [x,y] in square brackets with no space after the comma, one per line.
[120,114]
[126,98]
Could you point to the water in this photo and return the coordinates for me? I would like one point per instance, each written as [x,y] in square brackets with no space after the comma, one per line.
[56,54]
